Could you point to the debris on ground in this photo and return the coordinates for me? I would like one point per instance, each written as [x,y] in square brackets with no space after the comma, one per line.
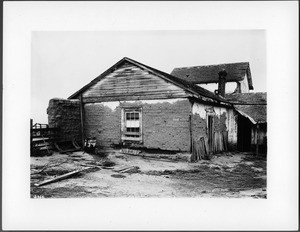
[130,151]
[108,163]
[118,176]
[58,178]
[126,175]
[131,170]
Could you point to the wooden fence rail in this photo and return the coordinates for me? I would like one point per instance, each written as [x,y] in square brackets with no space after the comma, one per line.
[42,138]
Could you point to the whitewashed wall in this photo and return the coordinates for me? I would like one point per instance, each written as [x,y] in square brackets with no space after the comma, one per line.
[231,118]
[230,86]
[244,85]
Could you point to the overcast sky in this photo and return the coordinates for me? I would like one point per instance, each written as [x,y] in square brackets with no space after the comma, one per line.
[63,62]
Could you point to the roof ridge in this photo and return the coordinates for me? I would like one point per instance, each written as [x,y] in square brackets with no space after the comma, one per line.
[247,93]
[210,65]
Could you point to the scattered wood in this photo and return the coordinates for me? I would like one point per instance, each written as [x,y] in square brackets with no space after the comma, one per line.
[225,140]
[118,169]
[159,159]
[61,177]
[50,165]
[206,145]
[68,150]
[199,150]
[90,165]
[130,151]
[75,144]
[127,169]
[103,193]
[118,176]
[107,167]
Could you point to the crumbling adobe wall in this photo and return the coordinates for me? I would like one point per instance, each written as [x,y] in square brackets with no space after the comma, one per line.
[220,122]
[103,123]
[167,125]
[199,128]
[223,121]
[65,114]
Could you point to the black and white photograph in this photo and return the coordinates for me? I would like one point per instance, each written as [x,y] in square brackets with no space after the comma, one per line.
[188,118]
[150,115]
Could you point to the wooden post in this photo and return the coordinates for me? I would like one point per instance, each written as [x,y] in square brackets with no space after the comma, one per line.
[82,120]
[31,123]
[191,133]
[256,139]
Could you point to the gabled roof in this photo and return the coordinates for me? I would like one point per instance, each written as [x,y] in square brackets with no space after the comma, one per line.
[194,90]
[259,98]
[209,73]
[255,113]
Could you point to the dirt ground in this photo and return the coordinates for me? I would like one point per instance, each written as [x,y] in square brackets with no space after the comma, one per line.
[227,175]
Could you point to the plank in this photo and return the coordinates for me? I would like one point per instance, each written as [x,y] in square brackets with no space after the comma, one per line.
[81,121]
[129,92]
[120,168]
[159,159]
[61,177]
[132,97]
[127,169]
[206,145]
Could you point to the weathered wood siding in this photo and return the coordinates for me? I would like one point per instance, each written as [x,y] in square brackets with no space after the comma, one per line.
[130,82]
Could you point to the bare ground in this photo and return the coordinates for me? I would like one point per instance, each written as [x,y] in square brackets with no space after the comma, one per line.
[230,175]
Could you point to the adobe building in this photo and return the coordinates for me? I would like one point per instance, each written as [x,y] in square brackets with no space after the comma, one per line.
[136,105]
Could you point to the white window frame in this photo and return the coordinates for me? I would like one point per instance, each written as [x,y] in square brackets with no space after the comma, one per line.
[125,136]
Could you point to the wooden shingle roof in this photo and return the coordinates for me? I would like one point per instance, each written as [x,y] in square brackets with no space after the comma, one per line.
[209,73]
[258,98]
[256,113]
[250,105]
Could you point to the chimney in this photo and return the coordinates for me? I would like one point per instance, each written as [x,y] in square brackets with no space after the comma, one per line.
[222,82]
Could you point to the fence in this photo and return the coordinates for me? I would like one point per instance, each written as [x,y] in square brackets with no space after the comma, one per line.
[42,138]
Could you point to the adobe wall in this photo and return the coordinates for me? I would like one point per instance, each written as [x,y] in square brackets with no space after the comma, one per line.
[102,122]
[165,123]
[65,114]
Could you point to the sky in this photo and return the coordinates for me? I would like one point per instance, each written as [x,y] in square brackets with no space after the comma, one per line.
[63,62]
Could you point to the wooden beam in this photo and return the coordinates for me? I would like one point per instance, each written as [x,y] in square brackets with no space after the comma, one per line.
[31,145]
[129,98]
[82,120]
[60,177]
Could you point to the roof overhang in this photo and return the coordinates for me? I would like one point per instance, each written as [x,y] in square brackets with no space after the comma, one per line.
[246,116]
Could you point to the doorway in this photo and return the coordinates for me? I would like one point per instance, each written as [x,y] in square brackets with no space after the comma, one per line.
[210,133]
[244,134]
